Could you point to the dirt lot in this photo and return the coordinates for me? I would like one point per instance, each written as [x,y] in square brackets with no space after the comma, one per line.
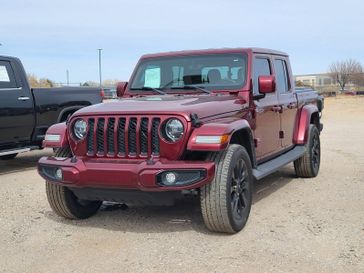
[296,225]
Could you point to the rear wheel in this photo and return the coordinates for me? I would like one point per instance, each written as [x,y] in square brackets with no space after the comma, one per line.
[64,202]
[309,164]
[226,201]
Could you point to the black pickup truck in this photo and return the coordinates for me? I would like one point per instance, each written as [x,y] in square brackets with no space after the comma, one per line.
[26,113]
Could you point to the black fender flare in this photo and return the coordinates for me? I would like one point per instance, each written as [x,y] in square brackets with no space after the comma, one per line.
[227,130]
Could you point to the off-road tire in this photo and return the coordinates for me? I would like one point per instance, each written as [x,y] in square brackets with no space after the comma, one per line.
[8,157]
[217,198]
[64,202]
[308,165]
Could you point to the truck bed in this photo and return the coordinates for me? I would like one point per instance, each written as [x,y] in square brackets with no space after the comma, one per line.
[50,100]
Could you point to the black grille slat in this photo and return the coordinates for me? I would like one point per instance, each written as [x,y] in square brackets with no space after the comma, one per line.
[90,136]
[121,136]
[100,135]
[132,136]
[155,137]
[143,136]
[110,135]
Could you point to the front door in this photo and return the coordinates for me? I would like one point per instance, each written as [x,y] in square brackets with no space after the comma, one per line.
[16,108]
[267,116]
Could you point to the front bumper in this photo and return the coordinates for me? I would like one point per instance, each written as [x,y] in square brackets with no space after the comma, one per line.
[123,174]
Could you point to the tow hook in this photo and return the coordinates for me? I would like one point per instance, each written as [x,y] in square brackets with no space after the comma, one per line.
[74,159]
[150,160]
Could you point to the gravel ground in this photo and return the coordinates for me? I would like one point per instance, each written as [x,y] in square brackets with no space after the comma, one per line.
[296,225]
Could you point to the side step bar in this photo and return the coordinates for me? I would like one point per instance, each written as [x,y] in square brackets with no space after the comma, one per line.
[273,165]
[18,151]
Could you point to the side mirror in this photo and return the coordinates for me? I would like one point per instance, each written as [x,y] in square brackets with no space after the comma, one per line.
[120,89]
[267,84]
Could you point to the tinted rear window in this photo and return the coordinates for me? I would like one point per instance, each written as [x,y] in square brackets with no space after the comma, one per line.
[7,79]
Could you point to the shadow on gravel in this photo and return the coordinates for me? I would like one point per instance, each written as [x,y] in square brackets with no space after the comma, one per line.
[185,215]
[24,161]
[273,182]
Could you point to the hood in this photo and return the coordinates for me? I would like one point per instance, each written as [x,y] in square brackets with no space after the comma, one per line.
[203,105]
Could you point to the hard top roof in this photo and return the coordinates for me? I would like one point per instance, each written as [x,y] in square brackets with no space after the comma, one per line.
[214,51]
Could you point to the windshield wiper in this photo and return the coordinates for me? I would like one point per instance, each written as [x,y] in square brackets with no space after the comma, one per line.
[147,88]
[167,84]
[191,86]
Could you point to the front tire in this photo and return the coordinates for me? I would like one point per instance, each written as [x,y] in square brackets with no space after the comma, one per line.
[308,165]
[64,202]
[226,201]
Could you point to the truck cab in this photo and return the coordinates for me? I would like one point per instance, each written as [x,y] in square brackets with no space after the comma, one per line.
[209,122]
[26,113]
[16,104]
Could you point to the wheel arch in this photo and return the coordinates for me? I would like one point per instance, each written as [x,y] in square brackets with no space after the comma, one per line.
[63,115]
[236,132]
[315,119]
[244,137]
[309,114]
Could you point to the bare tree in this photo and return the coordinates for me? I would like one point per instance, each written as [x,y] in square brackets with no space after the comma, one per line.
[345,72]
[301,84]
[110,82]
[358,79]
[90,83]
[35,82]
[44,82]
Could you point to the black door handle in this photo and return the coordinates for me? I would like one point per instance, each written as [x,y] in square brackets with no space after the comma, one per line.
[277,108]
[291,105]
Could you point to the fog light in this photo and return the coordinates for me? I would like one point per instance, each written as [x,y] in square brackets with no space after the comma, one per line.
[58,174]
[170,178]
[176,178]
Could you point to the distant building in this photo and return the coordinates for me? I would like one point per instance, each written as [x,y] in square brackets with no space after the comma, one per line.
[317,81]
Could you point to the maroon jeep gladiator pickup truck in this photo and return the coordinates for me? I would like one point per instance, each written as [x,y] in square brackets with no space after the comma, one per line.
[209,122]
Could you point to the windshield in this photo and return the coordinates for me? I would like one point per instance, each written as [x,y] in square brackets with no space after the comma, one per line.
[212,72]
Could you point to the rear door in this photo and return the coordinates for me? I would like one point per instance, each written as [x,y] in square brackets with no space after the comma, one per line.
[267,119]
[287,100]
[16,107]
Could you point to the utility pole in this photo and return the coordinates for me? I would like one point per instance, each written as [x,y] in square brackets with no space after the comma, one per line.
[100,75]
[68,77]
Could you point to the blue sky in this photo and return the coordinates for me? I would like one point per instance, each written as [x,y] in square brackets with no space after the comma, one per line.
[53,36]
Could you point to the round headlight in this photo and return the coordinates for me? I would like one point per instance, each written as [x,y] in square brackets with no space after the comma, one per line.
[80,129]
[174,129]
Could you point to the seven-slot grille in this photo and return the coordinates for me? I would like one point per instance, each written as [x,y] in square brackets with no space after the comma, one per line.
[123,136]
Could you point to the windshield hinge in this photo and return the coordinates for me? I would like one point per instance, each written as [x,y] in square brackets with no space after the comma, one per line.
[196,122]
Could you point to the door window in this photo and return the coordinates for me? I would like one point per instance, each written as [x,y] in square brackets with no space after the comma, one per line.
[261,68]
[281,76]
[7,79]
